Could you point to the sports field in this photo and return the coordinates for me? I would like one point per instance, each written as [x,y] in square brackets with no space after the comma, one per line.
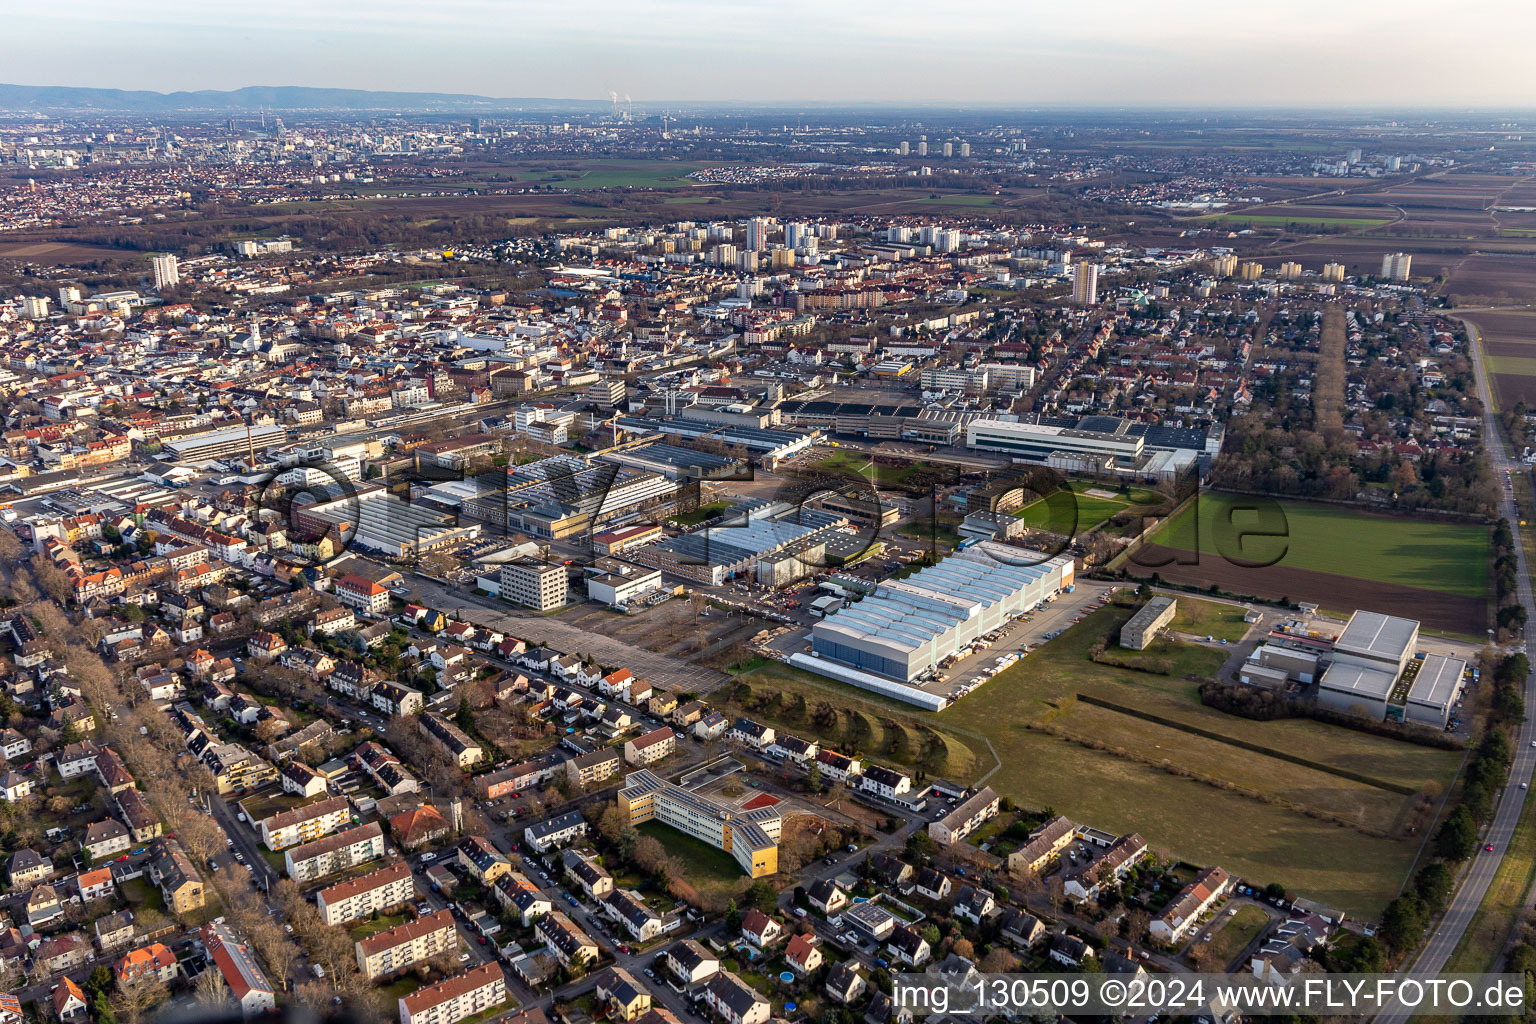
[1340,558]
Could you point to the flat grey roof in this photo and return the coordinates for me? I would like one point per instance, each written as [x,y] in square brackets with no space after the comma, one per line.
[1146,613]
[1345,677]
[1374,635]
[1438,681]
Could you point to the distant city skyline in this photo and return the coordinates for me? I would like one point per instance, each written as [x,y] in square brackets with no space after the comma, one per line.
[1113,54]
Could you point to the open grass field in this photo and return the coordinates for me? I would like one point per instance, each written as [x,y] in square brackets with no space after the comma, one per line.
[1211,796]
[1077,516]
[1209,618]
[1125,750]
[1338,557]
[959,199]
[788,698]
[61,253]
[1300,220]
[618,174]
[1513,365]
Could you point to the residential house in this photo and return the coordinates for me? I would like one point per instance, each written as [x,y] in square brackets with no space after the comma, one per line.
[394,949]
[650,748]
[907,946]
[803,955]
[845,984]
[1043,844]
[571,946]
[735,1001]
[468,994]
[171,870]
[152,962]
[1185,909]
[624,998]
[760,929]
[966,817]
[690,962]
[825,895]
[247,985]
[68,1000]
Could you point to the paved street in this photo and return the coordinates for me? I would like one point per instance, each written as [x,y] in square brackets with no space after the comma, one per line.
[1479,875]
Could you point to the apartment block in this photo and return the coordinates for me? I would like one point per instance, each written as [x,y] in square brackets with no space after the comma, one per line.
[335,853]
[453,999]
[396,948]
[358,897]
[305,824]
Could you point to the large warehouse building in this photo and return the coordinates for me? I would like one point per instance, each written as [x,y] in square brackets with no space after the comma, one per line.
[1368,658]
[1037,442]
[378,521]
[1435,690]
[215,444]
[747,533]
[1374,671]
[904,628]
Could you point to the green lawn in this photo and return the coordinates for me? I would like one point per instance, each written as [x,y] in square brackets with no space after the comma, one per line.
[704,867]
[846,462]
[141,895]
[1056,512]
[389,995]
[1209,618]
[1069,514]
[1524,366]
[371,927]
[699,514]
[1387,549]
[1239,930]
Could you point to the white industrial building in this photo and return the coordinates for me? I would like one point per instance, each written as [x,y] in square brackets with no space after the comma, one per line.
[904,628]
[623,583]
[1368,657]
[1435,691]
[1374,671]
[1036,442]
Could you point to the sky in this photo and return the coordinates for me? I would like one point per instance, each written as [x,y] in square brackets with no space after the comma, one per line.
[1185,53]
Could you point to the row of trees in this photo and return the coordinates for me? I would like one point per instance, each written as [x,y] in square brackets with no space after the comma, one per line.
[151,748]
[1406,918]
[1511,613]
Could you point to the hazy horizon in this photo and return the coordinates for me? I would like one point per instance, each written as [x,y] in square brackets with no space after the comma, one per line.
[1202,55]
